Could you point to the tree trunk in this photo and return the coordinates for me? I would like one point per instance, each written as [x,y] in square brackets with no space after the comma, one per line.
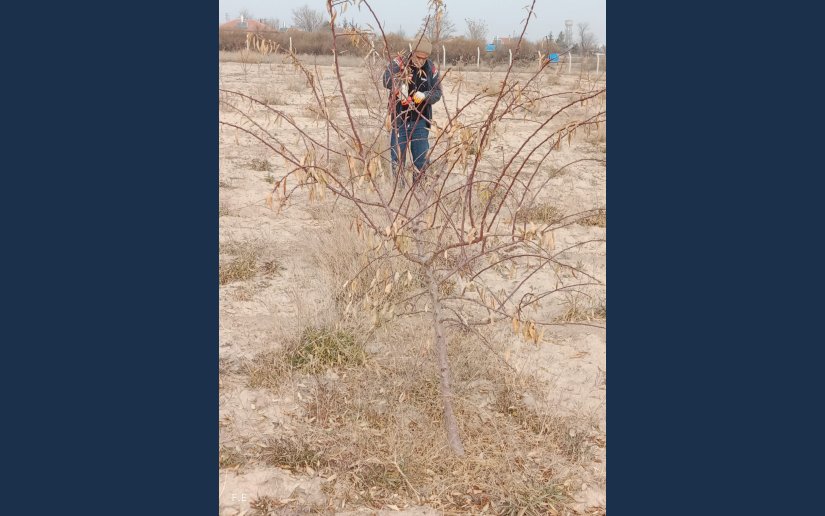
[450,423]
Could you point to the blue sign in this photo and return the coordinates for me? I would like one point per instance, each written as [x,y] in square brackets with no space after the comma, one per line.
[490,47]
[553,58]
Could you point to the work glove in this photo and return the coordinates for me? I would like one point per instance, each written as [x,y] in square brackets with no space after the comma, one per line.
[406,101]
[419,97]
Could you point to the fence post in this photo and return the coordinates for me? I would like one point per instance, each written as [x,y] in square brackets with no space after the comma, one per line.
[598,61]
[478,57]
[290,44]
[511,56]
[443,57]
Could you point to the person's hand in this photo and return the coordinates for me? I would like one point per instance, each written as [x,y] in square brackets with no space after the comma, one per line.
[406,101]
[419,97]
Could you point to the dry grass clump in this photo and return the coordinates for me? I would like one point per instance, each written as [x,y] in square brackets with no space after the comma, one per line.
[317,349]
[378,429]
[244,264]
[321,348]
[296,85]
[294,453]
[536,499]
[230,458]
[264,506]
[270,95]
[223,210]
[539,214]
[266,370]
[599,219]
[242,261]
[341,256]
[260,165]
[580,307]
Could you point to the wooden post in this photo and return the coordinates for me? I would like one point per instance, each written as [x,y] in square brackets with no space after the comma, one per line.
[443,57]
[511,56]
[290,44]
[478,57]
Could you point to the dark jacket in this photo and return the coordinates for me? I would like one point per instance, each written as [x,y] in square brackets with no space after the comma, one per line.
[431,85]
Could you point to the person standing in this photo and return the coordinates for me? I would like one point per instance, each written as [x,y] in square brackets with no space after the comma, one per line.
[415,86]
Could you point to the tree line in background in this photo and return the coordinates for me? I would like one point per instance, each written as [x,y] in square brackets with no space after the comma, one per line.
[309,37]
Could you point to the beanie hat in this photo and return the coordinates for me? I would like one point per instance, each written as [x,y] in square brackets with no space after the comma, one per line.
[424,46]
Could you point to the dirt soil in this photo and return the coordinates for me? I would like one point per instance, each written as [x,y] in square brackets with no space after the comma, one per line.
[273,287]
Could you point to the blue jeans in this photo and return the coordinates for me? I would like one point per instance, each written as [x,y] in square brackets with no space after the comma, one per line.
[416,133]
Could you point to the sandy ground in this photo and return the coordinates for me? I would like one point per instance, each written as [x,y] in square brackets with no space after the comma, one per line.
[257,314]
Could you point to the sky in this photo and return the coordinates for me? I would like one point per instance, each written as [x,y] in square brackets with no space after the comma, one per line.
[502,18]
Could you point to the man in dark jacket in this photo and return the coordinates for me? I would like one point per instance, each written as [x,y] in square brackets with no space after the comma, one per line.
[414,87]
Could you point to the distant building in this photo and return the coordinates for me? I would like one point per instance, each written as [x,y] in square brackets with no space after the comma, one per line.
[245,25]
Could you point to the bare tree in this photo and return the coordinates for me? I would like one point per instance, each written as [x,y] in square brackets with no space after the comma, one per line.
[476,29]
[438,25]
[308,19]
[460,248]
[246,14]
[275,23]
[587,41]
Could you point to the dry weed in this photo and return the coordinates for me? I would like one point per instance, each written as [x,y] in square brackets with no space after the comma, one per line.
[230,458]
[292,453]
[260,165]
[242,261]
[539,214]
[265,370]
[598,220]
[321,348]
[242,267]
[580,307]
[378,430]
